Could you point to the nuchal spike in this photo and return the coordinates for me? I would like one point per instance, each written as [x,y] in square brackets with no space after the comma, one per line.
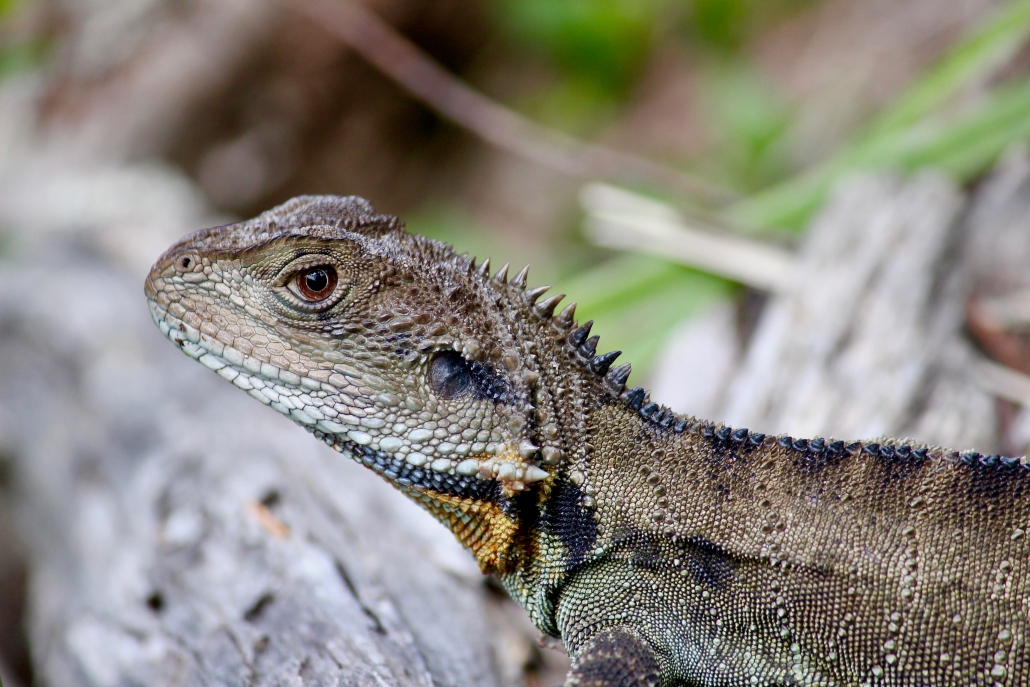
[533,294]
[545,308]
[520,278]
[567,316]
[580,334]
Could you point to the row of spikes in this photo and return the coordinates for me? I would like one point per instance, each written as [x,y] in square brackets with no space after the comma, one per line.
[585,346]
[889,450]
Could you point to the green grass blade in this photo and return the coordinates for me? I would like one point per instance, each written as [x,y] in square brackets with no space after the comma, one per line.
[971,60]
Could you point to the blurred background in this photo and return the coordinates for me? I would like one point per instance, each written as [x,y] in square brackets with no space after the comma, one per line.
[658,160]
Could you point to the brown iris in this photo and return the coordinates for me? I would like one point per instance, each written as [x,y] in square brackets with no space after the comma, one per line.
[315,283]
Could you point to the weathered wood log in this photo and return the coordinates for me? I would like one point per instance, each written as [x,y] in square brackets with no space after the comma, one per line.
[870,340]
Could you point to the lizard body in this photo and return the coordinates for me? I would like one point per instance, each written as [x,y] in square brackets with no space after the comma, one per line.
[661,548]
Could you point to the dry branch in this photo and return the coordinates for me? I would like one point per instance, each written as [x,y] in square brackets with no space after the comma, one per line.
[421,76]
[617,218]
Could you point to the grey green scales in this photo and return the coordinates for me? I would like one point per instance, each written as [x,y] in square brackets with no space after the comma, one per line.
[662,549]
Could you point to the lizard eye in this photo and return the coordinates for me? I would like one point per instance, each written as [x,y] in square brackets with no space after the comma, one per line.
[314,283]
[449,374]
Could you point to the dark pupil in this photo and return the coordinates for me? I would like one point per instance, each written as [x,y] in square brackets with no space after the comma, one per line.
[316,281]
[449,375]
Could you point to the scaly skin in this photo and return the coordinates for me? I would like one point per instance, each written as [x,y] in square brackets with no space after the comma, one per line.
[661,549]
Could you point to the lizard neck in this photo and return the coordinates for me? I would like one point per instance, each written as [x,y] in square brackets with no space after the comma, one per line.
[728,494]
[654,477]
[487,527]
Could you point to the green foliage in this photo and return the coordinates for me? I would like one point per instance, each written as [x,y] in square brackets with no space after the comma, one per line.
[923,128]
[577,107]
[602,41]
[594,49]
[963,145]
[720,23]
[724,25]
[21,57]
[997,42]
[749,121]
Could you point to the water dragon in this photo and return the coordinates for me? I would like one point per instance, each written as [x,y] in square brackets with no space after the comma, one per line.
[662,549]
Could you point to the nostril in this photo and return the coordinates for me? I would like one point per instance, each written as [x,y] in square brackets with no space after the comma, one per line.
[186,262]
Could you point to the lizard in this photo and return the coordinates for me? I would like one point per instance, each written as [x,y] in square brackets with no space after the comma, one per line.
[662,549]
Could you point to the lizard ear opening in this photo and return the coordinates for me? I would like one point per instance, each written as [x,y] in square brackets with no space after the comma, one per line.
[449,375]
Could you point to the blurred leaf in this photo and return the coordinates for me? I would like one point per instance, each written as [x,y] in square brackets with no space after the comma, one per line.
[726,24]
[964,142]
[971,60]
[21,57]
[749,120]
[576,106]
[964,145]
[720,23]
[602,40]
[968,145]
[7,5]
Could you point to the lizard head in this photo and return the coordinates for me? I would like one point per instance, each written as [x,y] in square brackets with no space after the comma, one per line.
[391,348]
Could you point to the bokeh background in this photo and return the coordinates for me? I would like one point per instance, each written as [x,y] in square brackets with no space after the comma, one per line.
[126,123]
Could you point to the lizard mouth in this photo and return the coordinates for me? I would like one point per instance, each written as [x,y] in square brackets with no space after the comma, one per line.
[307,401]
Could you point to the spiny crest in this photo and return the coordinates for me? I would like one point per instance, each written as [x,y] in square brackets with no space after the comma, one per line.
[533,294]
[819,452]
[583,346]
[484,269]
[567,317]
[585,350]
